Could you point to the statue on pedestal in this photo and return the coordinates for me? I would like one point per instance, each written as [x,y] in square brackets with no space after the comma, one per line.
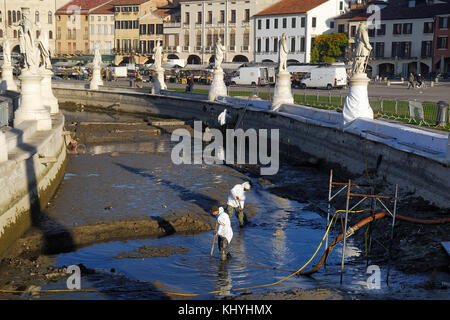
[282,93]
[357,101]
[44,49]
[157,57]
[218,87]
[219,51]
[6,52]
[97,58]
[28,44]
[158,80]
[282,56]
[362,51]
[7,82]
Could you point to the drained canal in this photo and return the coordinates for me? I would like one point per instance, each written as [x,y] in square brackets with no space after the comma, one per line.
[137,180]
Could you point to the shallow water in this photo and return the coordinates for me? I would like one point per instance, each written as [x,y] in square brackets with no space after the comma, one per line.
[283,234]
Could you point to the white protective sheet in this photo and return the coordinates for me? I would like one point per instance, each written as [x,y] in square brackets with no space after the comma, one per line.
[357,105]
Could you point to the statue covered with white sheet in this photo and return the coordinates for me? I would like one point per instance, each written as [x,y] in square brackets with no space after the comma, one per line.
[357,101]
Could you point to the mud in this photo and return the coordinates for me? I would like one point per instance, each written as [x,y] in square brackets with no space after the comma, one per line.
[416,248]
[121,212]
[151,252]
[310,294]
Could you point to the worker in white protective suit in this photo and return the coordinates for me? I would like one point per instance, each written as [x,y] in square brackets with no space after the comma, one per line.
[236,200]
[224,232]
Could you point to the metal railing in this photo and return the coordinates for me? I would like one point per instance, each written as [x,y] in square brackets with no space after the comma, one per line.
[384,108]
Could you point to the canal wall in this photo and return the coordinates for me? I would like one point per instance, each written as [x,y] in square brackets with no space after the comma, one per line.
[399,154]
[32,168]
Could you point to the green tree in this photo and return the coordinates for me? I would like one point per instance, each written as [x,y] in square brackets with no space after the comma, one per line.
[328,47]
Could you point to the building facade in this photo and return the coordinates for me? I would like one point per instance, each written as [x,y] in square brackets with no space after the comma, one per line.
[300,21]
[404,39]
[43,12]
[127,15]
[72,27]
[202,22]
[441,56]
[151,30]
[101,29]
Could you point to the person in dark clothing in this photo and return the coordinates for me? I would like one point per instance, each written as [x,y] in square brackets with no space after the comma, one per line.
[419,80]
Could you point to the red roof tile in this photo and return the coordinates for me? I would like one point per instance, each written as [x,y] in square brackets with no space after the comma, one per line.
[107,8]
[84,5]
[125,2]
[290,6]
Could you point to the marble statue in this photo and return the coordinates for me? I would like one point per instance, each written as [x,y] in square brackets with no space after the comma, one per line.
[6,52]
[7,81]
[282,93]
[44,49]
[218,87]
[97,57]
[28,43]
[158,80]
[362,51]
[357,103]
[157,55]
[219,51]
[282,56]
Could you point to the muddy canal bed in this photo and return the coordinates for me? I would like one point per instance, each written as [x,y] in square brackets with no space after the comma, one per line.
[139,228]
[282,235]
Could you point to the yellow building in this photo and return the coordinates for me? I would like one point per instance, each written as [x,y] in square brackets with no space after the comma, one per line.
[127,15]
[150,30]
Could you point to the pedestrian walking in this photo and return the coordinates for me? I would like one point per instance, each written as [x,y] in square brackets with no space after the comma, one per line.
[191,84]
[236,200]
[411,80]
[419,80]
[224,232]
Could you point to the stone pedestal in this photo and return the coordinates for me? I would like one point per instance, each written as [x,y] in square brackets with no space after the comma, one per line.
[357,100]
[31,106]
[158,82]
[96,79]
[48,99]
[8,82]
[3,148]
[218,87]
[282,93]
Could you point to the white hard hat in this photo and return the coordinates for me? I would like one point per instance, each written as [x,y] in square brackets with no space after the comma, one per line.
[246,185]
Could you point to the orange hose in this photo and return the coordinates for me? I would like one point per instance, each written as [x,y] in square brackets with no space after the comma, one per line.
[438,221]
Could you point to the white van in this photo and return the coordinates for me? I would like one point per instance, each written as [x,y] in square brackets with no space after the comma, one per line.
[251,76]
[325,77]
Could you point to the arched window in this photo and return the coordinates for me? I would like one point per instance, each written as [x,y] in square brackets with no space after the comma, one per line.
[50,35]
[9,17]
[14,16]
[36,17]
[50,17]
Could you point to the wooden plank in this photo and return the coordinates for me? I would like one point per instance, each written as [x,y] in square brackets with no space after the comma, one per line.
[368,196]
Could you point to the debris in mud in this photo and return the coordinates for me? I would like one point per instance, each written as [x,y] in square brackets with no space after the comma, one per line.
[152,252]
[310,294]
